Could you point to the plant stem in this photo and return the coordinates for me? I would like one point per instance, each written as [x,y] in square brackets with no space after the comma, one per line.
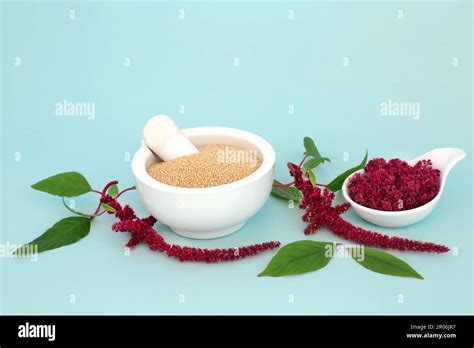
[302,161]
[104,192]
[106,187]
[101,213]
[123,191]
[75,211]
[284,185]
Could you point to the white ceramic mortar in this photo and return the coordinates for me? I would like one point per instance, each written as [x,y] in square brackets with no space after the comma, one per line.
[212,212]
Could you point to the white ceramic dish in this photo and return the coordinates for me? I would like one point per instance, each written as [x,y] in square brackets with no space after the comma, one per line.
[443,159]
[212,212]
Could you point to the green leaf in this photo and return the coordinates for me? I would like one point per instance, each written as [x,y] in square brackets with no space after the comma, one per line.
[310,147]
[299,257]
[69,184]
[312,150]
[336,184]
[64,232]
[312,178]
[313,163]
[287,193]
[113,191]
[108,208]
[385,263]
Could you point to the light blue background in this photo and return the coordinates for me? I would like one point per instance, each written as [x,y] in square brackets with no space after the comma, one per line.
[191,62]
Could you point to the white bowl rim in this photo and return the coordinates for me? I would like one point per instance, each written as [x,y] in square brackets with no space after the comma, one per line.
[346,196]
[268,153]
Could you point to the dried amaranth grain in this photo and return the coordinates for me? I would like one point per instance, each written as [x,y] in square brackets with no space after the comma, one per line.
[214,165]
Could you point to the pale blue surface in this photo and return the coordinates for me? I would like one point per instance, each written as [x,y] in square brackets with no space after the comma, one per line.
[190,62]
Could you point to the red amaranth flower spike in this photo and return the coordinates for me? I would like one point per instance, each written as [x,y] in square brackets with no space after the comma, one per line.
[319,211]
[142,231]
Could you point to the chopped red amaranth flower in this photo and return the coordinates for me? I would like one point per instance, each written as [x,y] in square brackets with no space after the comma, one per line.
[395,185]
[317,204]
[142,230]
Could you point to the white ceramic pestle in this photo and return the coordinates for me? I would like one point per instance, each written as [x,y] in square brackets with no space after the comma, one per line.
[165,139]
[443,159]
